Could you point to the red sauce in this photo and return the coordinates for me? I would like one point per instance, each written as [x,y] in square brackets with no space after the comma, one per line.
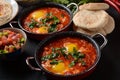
[73,47]
[46,20]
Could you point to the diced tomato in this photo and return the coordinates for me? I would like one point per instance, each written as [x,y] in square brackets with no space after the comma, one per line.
[6,48]
[0,43]
[10,40]
[19,35]
[60,26]
[10,35]
[11,48]
[17,46]
[4,40]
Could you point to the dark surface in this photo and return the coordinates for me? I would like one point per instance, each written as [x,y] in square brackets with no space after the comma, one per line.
[107,69]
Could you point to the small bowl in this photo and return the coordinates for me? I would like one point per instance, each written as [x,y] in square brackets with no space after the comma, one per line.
[15,54]
[78,76]
[46,4]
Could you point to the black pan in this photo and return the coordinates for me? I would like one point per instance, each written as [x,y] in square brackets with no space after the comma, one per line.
[45,4]
[78,76]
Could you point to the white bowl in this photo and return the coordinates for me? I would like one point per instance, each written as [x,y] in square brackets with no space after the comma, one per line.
[15,9]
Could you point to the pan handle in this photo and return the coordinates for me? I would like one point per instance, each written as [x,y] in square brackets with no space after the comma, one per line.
[104,39]
[74,5]
[28,63]
[13,22]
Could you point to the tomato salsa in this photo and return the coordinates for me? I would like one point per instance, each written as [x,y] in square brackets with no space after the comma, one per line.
[67,56]
[10,41]
[46,20]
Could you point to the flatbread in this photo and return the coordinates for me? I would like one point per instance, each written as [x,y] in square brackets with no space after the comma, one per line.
[94,6]
[5,11]
[92,20]
[109,27]
[90,33]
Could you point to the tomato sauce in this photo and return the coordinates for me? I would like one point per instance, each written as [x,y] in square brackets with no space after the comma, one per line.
[68,56]
[46,20]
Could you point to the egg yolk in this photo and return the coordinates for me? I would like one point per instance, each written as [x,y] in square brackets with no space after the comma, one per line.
[59,68]
[70,47]
[37,15]
[42,30]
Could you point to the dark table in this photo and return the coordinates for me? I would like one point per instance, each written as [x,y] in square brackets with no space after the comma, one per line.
[107,69]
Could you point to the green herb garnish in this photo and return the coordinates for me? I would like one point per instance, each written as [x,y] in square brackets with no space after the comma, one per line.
[72,64]
[49,14]
[78,58]
[55,62]
[56,52]
[63,52]
[55,20]
[47,22]
[76,55]
[52,28]
[83,63]
[33,23]
[50,56]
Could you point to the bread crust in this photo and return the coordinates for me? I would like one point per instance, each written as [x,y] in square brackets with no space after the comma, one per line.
[94,6]
[109,27]
[90,33]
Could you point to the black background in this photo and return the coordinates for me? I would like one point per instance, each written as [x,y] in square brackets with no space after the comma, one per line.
[108,67]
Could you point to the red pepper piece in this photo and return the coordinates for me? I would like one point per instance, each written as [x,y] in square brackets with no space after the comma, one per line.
[113,4]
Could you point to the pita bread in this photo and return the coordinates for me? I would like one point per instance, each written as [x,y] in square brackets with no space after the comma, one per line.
[91,20]
[109,27]
[94,6]
[85,31]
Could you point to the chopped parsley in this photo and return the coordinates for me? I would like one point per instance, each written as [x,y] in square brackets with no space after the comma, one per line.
[59,52]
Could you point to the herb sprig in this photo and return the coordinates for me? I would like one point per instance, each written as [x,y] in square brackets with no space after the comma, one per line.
[47,22]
